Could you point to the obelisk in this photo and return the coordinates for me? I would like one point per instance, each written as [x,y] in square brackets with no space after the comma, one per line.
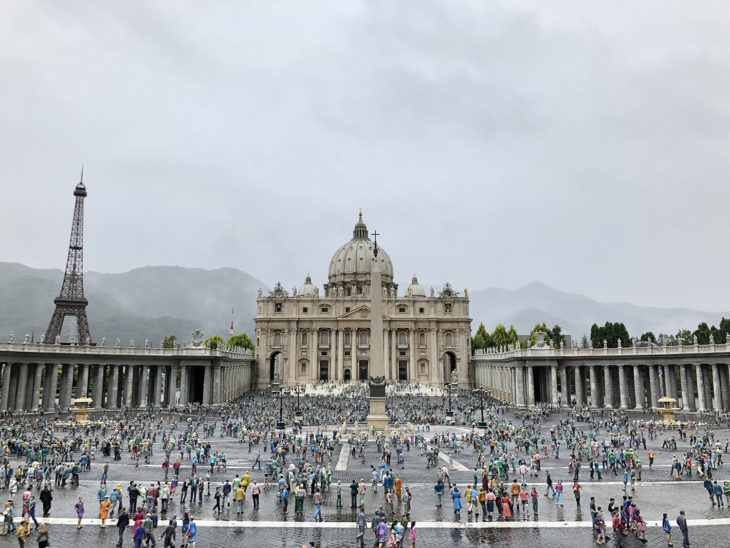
[376,371]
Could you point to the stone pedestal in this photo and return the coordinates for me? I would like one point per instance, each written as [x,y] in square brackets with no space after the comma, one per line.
[377,418]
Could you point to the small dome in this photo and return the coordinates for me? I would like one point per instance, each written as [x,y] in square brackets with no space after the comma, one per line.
[415,290]
[308,289]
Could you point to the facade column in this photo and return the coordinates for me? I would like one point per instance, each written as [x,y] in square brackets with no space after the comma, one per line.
[716,390]
[98,389]
[638,387]
[702,406]
[112,398]
[20,390]
[37,377]
[579,394]
[554,384]
[436,371]
[530,386]
[623,387]
[207,381]
[654,386]
[412,368]
[82,382]
[683,385]
[340,354]
[520,388]
[594,386]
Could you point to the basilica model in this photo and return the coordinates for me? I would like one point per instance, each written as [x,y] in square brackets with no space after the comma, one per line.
[303,337]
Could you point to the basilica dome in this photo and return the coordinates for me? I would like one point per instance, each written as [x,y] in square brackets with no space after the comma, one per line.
[354,260]
[415,289]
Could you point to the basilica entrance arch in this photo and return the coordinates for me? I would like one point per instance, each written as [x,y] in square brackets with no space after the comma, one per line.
[449,360]
[347,375]
[324,370]
[273,360]
[363,370]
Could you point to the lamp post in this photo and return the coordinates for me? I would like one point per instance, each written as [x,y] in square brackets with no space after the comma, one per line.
[480,391]
[298,416]
[280,425]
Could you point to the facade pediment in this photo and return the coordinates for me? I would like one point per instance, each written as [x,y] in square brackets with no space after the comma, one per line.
[359,313]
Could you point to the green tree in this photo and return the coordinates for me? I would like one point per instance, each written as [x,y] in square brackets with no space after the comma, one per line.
[240,339]
[169,342]
[648,336]
[481,338]
[611,333]
[703,333]
[556,334]
[685,335]
[514,338]
[500,336]
[214,341]
[584,342]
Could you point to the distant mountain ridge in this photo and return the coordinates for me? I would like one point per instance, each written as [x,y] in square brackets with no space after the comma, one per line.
[145,303]
[155,301]
[575,313]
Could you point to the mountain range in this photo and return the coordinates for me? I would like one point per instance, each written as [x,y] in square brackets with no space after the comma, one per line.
[155,301]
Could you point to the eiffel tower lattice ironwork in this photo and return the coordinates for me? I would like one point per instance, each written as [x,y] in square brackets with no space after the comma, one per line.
[71,301]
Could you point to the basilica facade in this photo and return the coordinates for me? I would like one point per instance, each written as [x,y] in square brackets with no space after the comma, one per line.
[303,336]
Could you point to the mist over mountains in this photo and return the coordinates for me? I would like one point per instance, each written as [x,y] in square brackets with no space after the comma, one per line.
[155,301]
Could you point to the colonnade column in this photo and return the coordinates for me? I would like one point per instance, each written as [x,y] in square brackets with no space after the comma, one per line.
[653,386]
[6,387]
[171,383]
[98,389]
[554,384]
[683,386]
[530,386]
[638,387]
[724,385]
[112,398]
[144,387]
[207,380]
[218,372]
[184,370]
[128,385]
[594,386]
[37,377]
[82,381]
[623,387]
[22,382]
[520,389]
[50,381]
[67,381]
[156,385]
[702,407]
[564,385]
[717,401]
[579,394]
[607,387]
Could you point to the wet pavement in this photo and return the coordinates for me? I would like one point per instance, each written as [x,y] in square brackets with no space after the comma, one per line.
[436,526]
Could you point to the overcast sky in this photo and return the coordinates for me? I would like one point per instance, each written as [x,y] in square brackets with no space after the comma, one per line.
[582,144]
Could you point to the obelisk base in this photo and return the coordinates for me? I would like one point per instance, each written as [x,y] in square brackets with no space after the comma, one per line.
[377,418]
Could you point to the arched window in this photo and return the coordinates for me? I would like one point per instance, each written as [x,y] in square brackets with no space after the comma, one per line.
[422,339]
[449,339]
[304,339]
[277,339]
[347,338]
[401,337]
[324,338]
[363,338]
